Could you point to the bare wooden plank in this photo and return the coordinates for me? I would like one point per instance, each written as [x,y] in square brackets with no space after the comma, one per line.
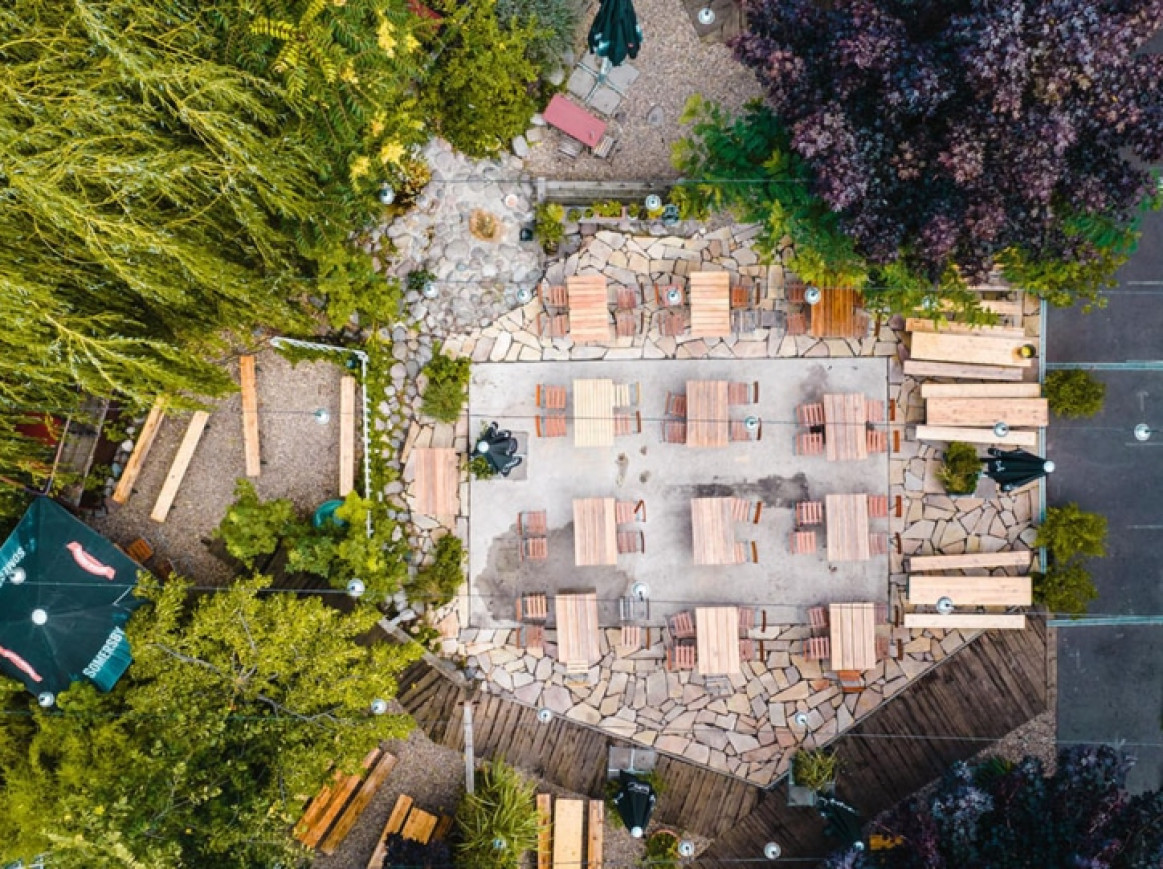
[913,324]
[317,806]
[250,439]
[965,621]
[960,370]
[137,458]
[568,816]
[343,790]
[974,349]
[419,826]
[974,560]
[358,803]
[926,590]
[976,436]
[346,435]
[181,463]
[544,831]
[394,825]
[594,833]
[1017,412]
[981,390]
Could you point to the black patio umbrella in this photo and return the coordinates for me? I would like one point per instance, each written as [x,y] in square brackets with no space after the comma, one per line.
[843,821]
[1013,468]
[65,594]
[499,448]
[635,802]
[615,34]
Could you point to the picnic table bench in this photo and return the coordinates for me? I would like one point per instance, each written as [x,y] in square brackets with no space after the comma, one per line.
[847,528]
[845,431]
[926,590]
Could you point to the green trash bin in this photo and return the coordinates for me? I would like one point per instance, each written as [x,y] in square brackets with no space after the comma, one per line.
[325,514]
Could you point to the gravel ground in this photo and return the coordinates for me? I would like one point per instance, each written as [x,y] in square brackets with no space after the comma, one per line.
[673,64]
[300,461]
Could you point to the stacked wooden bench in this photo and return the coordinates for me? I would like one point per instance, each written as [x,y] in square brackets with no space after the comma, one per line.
[972,590]
[410,822]
[968,412]
[339,803]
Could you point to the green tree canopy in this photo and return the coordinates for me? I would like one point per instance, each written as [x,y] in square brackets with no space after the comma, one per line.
[206,751]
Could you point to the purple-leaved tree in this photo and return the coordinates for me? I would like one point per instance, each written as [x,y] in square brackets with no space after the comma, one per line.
[952,130]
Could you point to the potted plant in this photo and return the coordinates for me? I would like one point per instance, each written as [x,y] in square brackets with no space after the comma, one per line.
[661,850]
[547,226]
[961,470]
[812,771]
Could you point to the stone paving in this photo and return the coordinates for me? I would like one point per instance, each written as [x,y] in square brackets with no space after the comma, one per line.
[743,724]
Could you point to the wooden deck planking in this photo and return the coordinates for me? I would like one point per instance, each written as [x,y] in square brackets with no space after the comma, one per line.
[1021,558]
[950,433]
[181,464]
[1016,412]
[589,313]
[981,390]
[153,422]
[710,294]
[924,590]
[346,435]
[960,370]
[972,349]
[835,315]
[250,439]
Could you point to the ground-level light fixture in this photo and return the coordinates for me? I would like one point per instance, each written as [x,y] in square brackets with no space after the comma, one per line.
[429,290]
[39,616]
[379,706]
[706,16]
[17,576]
[686,848]
[636,832]
[751,423]
[356,587]
[544,715]
[524,295]
[1143,432]
[772,851]
[640,590]
[800,718]
[653,202]
[812,295]
[386,195]
[512,200]
[46,699]
[1000,429]
[945,605]
[322,416]
[674,295]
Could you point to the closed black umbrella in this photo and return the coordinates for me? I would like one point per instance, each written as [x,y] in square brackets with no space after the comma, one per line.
[615,34]
[499,448]
[635,803]
[1013,468]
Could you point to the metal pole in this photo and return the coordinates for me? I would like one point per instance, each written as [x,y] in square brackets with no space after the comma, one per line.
[469,760]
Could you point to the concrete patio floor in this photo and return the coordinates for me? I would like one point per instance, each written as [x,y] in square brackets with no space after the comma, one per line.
[666,477]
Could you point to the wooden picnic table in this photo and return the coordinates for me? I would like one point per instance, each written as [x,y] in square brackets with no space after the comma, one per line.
[971,349]
[845,427]
[835,316]
[853,634]
[971,590]
[577,628]
[710,304]
[712,532]
[574,121]
[589,309]
[847,518]
[708,420]
[595,537]
[593,412]
[437,480]
[717,640]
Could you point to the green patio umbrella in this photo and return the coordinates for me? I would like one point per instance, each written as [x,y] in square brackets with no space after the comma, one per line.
[65,594]
[615,34]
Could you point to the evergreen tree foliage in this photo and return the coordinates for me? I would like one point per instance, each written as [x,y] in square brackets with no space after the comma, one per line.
[996,815]
[1070,531]
[233,711]
[950,132]
[1074,393]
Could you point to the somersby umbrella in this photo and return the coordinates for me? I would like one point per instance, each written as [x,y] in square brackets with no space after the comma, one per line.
[615,34]
[66,593]
[1013,468]
[635,802]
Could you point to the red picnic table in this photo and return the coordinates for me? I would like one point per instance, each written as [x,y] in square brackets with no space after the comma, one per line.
[574,121]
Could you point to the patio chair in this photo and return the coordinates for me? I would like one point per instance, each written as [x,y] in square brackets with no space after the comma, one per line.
[881,613]
[818,620]
[634,610]
[631,542]
[878,506]
[627,423]
[627,324]
[682,625]
[746,620]
[795,293]
[630,640]
[681,656]
[531,523]
[743,393]
[605,147]
[743,510]
[551,426]
[533,637]
[817,648]
[139,550]
[851,682]
[877,440]
[569,146]
[746,650]
[861,323]
[745,320]
[628,298]
[534,549]
[669,295]
[809,513]
[673,432]
[797,324]
[878,543]
[676,404]
[626,512]
[803,542]
[627,394]
[746,552]
[811,414]
[553,325]
[742,297]
[533,607]
[672,323]
[874,410]
[553,296]
[738,430]
[809,444]
[550,397]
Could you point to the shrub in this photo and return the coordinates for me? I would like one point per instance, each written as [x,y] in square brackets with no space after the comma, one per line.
[1074,393]
[661,851]
[555,22]
[445,393]
[961,469]
[1065,588]
[419,279]
[502,808]
[437,583]
[252,528]
[547,225]
[1068,532]
[815,768]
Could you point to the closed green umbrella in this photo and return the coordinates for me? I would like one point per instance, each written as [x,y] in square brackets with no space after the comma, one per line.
[66,593]
[615,34]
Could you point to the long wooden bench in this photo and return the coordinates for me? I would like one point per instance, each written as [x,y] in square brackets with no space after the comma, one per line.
[949,433]
[960,370]
[141,449]
[409,822]
[346,435]
[913,324]
[367,790]
[965,621]
[925,590]
[568,820]
[972,561]
[329,802]
[544,831]
[973,349]
[1017,412]
[250,438]
[981,390]
[181,463]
